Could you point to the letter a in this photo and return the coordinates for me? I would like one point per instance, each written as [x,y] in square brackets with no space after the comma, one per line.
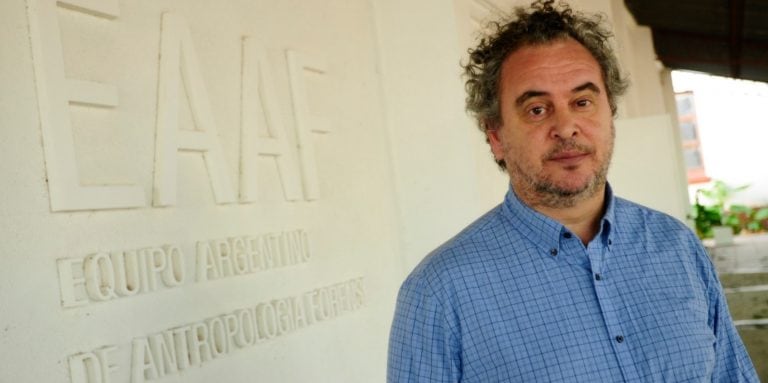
[178,62]
[259,98]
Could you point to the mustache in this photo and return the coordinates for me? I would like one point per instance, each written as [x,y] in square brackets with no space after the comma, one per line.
[569,145]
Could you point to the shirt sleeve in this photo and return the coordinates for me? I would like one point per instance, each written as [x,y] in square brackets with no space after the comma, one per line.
[732,363]
[422,347]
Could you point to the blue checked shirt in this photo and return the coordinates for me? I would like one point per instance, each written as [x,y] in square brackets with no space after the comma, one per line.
[516,297]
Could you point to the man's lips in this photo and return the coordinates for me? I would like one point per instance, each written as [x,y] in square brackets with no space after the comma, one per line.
[568,157]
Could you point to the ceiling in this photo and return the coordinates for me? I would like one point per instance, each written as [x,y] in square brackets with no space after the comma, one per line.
[721,37]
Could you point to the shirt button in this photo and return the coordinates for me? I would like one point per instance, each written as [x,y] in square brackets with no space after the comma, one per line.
[619,338]
[598,277]
[553,251]
[567,235]
[610,242]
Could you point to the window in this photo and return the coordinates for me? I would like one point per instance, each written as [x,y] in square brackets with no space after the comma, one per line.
[689,132]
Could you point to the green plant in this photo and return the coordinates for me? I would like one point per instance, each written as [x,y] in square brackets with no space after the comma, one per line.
[715,213]
[705,218]
[758,220]
[718,211]
[753,220]
[720,193]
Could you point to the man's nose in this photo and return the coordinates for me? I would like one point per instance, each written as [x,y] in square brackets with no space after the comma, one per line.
[564,124]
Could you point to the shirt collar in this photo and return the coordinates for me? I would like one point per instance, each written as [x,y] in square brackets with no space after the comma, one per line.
[545,231]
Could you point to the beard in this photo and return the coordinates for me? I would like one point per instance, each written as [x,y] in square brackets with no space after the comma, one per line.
[541,189]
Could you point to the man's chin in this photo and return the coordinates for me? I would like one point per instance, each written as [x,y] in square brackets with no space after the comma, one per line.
[568,192]
[556,189]
[560,191]
[566,188]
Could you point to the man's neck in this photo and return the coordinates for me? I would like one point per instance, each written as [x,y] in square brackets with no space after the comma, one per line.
[582,219]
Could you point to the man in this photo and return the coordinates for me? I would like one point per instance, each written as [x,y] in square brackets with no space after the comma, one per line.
[563,282]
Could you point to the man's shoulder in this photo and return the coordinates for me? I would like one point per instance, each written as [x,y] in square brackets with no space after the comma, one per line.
[471,245]
[652,229]
[630,213]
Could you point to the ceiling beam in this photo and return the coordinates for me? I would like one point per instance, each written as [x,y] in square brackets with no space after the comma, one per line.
[689,59]
[735,30]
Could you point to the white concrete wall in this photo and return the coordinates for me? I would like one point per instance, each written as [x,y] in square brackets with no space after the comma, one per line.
[432,161]
[65,168]
[648,164]
[195,128]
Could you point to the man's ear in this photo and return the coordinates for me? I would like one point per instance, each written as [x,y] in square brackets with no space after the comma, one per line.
[493,136]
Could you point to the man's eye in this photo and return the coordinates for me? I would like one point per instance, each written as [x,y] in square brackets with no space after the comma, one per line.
[583,103]
[537,110]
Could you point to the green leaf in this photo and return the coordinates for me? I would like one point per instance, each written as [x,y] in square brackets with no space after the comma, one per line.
[739,188]
[761,214]
[732,220]
[720,192]
[739,209]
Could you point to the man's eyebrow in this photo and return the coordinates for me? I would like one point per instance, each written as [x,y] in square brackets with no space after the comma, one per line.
[520,100]
[527,95]
[586,86]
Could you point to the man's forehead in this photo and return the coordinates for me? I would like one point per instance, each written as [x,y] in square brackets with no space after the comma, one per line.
[561,66]
[556,48]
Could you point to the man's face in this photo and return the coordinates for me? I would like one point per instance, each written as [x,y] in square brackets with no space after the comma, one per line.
[556,132]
